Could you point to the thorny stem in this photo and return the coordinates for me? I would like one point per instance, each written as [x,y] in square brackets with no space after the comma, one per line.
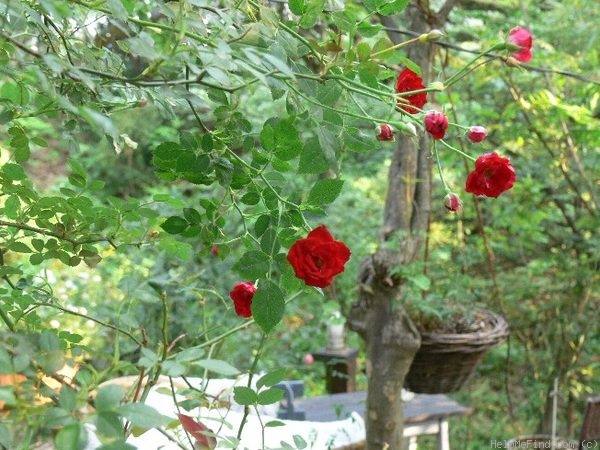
[85,316]
[250,376]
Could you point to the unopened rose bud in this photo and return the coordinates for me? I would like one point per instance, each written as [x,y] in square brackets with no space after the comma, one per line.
[385,132]
[143,102]
[436,124]
[452,202]
[215,250]
[308,359]
[437,85]
[432,36]
[477,134]
[409,129]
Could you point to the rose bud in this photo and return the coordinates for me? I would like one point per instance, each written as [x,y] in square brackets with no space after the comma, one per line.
[522,39]
[436,124]
[215,250]
[477,134]
[308,359]
[143,102]
[385,132]
[242,294]
[452,202]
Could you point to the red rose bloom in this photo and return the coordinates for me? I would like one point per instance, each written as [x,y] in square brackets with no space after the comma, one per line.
[409,81]
[492,176]
[521,37]
[452,202]
[242,294]
[476,134]
[436,124]
[318,258]
[385,132]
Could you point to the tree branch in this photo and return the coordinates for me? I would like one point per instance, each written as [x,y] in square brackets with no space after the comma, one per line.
[61,236]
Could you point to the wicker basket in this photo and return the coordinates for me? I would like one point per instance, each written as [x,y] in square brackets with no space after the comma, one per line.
[445,362]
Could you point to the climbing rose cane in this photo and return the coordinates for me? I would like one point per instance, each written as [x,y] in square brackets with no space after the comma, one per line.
[242,294]
[521,37]
[492,175]
[436,124]
[409,81]
[476,134]
[452,202]
[385,132]
[318,258]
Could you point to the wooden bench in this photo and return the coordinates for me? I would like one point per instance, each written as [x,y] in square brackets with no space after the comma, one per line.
[424,414]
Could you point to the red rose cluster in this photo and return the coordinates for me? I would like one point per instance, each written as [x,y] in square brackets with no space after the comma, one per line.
[493,174]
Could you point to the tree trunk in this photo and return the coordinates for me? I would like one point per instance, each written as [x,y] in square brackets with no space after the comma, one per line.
[391,338]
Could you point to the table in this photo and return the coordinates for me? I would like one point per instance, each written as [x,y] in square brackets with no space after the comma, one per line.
[341,368]
[424,414]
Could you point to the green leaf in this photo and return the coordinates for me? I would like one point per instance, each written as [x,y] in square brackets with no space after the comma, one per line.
[192,216]
[68,438]
[296,6]
[217,366]
[272,378]
[67,398]
[312,159]
[244,395]
[52,361]
[19,143]
[300,442]
[7,395]
[175,225]
[109,397]
[13,171]
[393,7]
[312,11]
[252,265]
[274,423]
[108,424]
[421,281]
[358,141]
[270,396]
[12,207]
[325,192]
[267,305]
[261,225]
[143,416]
[19,247]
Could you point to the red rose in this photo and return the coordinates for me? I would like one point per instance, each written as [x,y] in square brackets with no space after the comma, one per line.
[215,250]
[476,134]
[436,124]
[492,176]
[521,37]
[409,81]
[385,132]
[242,294]
[318,258]
[452,202]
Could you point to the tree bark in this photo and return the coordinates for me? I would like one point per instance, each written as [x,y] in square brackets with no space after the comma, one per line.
[378,316]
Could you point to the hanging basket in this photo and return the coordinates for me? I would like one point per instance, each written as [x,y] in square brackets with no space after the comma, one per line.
[445,362]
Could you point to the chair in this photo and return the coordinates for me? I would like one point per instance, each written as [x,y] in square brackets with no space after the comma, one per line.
[590,430]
